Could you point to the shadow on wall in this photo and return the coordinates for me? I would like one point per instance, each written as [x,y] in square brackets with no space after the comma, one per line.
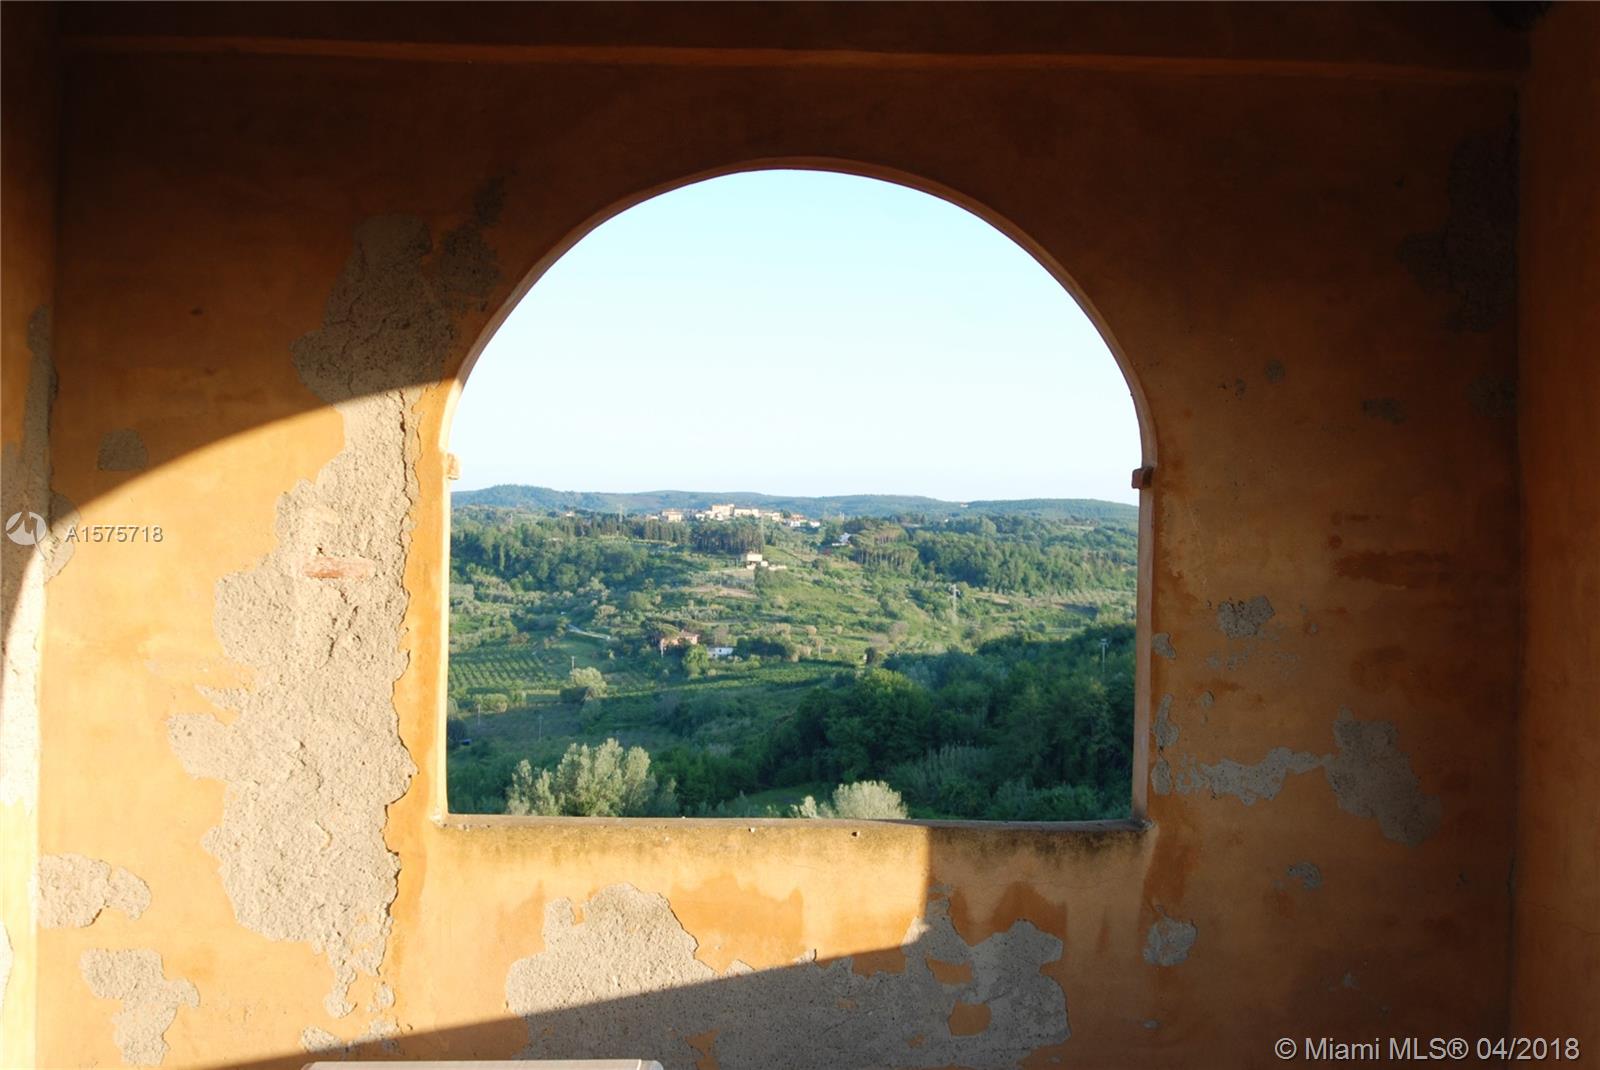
[618,977]
[624,983]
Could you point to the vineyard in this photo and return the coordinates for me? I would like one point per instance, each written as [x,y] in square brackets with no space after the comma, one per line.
[581,629]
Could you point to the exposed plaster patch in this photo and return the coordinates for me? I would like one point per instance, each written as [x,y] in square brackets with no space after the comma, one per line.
[1308,874]
[25,487]
[1244,619]
[1349,981]
[1161,777]
[1275,371]
[1247,783]
[74,889]
[1473,257]
[313,757]
[319,1042]
[122,451]
[323,567]
[1165,731]
[1169,941]
[1166,735]
[626,981]
[150,1001]
[1389,410]
[1372,777]
[1161,643]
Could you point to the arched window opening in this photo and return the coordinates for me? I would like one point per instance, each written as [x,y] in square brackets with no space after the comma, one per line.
[794,494]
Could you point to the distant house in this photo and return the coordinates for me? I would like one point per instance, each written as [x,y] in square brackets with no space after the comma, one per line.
[665,643]
[672,516]
[745,511]
[720,652]
[720,512]
[752,559]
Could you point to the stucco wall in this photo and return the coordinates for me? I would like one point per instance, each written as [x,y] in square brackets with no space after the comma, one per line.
[1557,937]
[27,282]
[275,260]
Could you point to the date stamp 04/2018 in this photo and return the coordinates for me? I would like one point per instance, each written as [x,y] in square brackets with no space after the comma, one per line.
[1427,1049]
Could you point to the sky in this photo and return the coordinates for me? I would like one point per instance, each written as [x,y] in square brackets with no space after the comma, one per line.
[799,333]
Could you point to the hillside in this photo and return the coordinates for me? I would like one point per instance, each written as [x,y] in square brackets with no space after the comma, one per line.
[546,499]
[980,665]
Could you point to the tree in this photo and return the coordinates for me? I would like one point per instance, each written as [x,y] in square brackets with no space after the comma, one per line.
[696,660]
[603,781]
[863,801]
[584,683]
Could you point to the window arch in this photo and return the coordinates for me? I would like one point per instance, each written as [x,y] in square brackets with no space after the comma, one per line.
[677,638]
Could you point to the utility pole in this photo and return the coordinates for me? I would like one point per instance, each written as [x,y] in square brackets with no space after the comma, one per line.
[1103,644]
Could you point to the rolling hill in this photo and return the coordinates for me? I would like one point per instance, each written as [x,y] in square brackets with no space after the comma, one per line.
[546,499]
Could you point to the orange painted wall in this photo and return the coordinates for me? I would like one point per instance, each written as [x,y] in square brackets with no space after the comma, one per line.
[27,285]
[1557,944]
[1293,232]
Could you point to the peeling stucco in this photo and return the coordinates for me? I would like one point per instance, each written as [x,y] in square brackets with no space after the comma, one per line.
[1373,778]
[1165,729]
[625,983]
[25,487]
[1161,644]
[150,1000]
[1389,410]
[317,1041]
[122,450]
[1369,775]
[1309,874]
[1245,618]
[1161,777]
[312,756]
[1169,941]
[1247,782]
[74,889]
[380,1033]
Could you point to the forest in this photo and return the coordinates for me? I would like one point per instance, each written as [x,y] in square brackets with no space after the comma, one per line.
[927,664]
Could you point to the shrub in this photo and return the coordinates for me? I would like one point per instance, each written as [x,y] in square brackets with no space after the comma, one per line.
[603,781]
[862,801]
